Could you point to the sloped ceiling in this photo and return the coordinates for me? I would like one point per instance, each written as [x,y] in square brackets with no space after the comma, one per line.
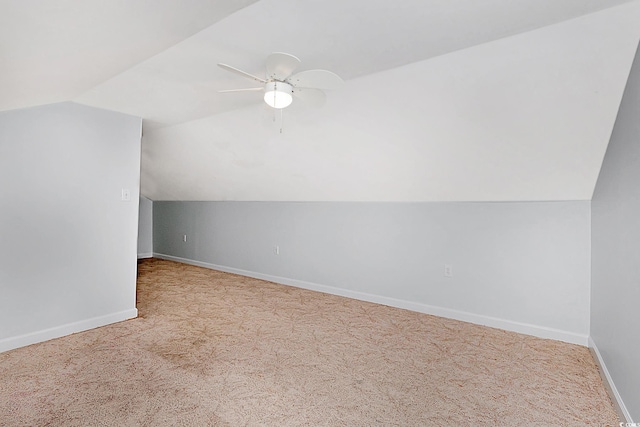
[444,100]
[55,50]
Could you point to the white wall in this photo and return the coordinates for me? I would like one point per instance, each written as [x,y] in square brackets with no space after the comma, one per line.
[517,266]
[615,288]
[145,228]
[68,242]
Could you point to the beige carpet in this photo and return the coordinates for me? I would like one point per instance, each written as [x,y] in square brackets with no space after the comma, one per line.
[212,348]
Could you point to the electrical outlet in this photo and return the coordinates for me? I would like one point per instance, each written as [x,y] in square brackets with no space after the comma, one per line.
[448,270]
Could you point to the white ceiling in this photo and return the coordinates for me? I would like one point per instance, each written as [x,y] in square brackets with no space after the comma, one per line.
[444,100]
[55,50]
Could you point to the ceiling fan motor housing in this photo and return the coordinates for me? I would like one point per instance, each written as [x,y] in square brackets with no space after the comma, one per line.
[278,94]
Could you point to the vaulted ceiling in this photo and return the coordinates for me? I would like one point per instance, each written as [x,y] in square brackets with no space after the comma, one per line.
[465,100]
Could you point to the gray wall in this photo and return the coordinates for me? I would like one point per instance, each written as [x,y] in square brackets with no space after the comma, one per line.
[68,241]
[615,292]
[513,263]
[145,228]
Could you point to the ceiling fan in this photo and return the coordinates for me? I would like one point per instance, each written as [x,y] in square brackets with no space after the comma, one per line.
[280,85]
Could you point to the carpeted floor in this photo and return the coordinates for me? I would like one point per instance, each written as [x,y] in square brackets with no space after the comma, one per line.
[211,348]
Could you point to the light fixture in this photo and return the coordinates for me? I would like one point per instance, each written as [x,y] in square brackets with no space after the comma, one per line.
[278,94]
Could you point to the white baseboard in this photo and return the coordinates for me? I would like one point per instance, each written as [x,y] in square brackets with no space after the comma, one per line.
[623,413]
[7,344]
[145,255]
[509,325]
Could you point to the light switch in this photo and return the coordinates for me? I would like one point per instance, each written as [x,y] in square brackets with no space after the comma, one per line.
[448,270]
[126,195]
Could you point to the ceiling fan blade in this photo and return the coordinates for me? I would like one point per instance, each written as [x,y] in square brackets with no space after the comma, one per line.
[281,65]
[249,89]
[242,73]
[317,79]
[312,97]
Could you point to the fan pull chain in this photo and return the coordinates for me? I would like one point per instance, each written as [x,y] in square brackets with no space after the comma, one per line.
[281,120]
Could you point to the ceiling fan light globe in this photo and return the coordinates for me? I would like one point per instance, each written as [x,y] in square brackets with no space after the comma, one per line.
[278,94]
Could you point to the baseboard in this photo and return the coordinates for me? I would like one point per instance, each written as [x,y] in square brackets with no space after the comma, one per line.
[11,343]
[145,255]
[621,409]
[523,328]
